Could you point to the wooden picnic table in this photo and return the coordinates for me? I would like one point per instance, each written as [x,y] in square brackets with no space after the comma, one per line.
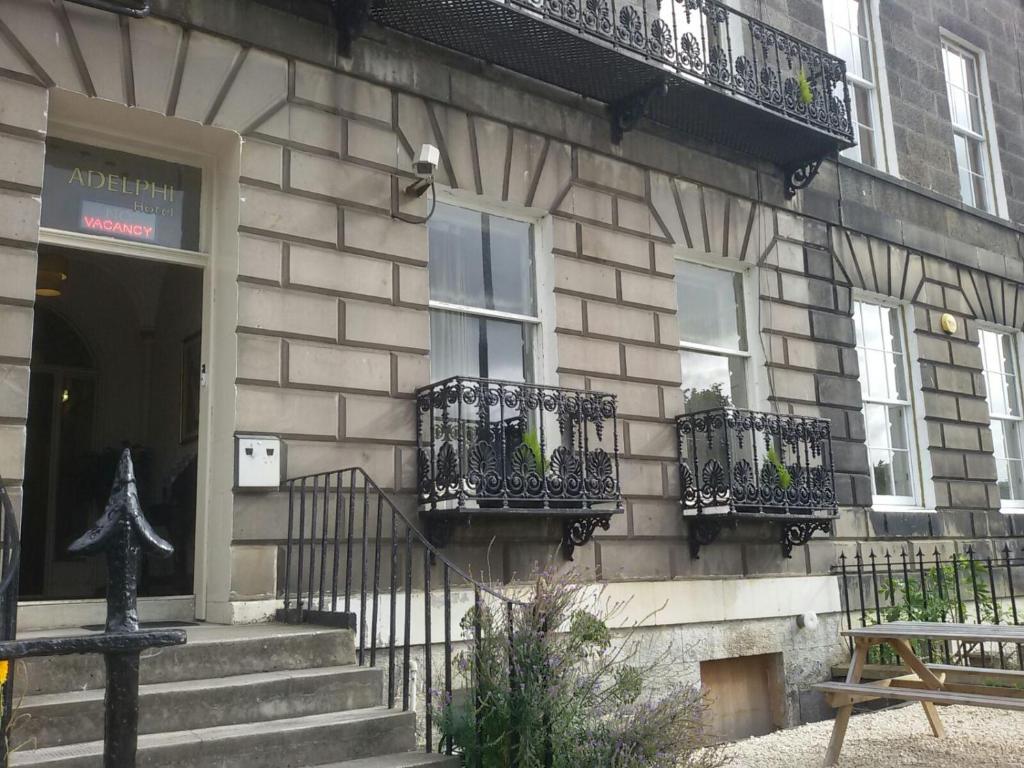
[929,684]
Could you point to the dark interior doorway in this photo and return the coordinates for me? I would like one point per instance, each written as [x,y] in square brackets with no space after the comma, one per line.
[115,364]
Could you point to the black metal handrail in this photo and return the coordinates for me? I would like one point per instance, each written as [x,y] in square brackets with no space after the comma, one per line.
[10,563]
[353,559]
[739,463]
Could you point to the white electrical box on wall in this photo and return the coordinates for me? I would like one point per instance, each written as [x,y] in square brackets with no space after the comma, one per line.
[258,462]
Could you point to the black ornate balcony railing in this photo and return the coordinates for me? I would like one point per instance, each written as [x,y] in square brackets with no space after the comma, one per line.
[503,448]
[696,66]
[736,464]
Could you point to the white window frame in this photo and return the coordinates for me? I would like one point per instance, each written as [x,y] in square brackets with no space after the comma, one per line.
[990,144]
[1006,506]
[923,499]
[756,371]
[887,159]
[545,360]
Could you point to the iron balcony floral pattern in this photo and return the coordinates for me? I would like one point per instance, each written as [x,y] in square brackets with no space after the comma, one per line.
[500,447]
[735,463]
[724,48]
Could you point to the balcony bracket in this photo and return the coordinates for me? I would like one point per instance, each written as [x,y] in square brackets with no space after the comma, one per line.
[350,19]
[704,531]
[796,534]
[800,176]
[626,113]
[581,530]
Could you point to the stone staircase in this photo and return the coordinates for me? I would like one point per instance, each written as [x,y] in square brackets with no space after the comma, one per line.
[260,696]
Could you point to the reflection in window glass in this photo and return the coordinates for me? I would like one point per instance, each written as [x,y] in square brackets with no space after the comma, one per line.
[1002,382]
[711,306]
[712,337]
[888,412]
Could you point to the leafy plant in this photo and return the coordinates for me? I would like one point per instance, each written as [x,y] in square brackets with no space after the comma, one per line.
[804,87]
[932,595]
[532,441]
[785,478]
[552,686]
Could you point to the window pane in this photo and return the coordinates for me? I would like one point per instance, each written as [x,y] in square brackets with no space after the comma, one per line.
[881,473]
[507,349]
[711,306]
[713,381]
[963,163]
[998,438]
[512,268]
[877,425]
[454,345]
[467,345]
[1016,480]
[899,429]
[456,256]
[902,484]
[479,260]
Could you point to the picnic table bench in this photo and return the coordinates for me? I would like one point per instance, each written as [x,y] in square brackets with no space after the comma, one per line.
[929,684]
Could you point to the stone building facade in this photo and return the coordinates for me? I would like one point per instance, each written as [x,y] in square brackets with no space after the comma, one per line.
[317,322]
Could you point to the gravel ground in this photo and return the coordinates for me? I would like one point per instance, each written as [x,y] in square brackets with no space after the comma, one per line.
[975,738]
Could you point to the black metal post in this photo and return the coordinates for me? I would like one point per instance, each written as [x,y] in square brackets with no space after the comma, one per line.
[121,532]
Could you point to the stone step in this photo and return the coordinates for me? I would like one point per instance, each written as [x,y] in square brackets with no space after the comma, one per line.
[312,740]
[212,651]
[404,760]
[56,719]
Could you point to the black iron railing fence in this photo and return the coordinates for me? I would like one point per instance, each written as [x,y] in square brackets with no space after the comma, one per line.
[354,559]
[968,587]
[725,48]
[738,464]
[496,444]
[703,41]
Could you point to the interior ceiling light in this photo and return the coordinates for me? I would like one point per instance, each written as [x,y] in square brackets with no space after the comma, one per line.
[53,271]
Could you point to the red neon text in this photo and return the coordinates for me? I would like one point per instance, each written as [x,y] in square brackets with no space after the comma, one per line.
[114,227]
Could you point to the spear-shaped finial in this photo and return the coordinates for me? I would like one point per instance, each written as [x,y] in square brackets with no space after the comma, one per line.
[121,531]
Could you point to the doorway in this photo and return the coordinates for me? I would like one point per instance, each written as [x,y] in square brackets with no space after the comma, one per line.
[115,364]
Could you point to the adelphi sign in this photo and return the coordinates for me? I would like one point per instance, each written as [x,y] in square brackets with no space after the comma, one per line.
[104,192]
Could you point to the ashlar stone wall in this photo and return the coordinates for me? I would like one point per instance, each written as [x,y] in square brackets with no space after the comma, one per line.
[332,319]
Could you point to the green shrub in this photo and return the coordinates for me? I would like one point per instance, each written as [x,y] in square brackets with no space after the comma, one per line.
[559,687]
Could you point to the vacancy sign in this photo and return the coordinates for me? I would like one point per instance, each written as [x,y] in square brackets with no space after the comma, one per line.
[98,191]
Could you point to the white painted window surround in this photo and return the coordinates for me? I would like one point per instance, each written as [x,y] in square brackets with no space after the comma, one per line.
[491,300]
[1000,360]
[853,29]
[893,409]
[979,167]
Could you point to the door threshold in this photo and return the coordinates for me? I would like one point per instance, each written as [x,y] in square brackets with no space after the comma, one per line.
[64,614]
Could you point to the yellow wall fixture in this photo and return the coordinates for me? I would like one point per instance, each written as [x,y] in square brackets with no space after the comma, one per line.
[53,271]
[948,323]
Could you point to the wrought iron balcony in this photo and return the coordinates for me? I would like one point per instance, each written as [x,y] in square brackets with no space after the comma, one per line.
[696,66]
[500,448]
[736,464]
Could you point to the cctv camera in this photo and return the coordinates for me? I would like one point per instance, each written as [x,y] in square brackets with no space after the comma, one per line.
[426,162]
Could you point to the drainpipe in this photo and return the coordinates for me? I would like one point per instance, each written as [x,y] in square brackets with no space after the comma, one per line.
[118,8]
